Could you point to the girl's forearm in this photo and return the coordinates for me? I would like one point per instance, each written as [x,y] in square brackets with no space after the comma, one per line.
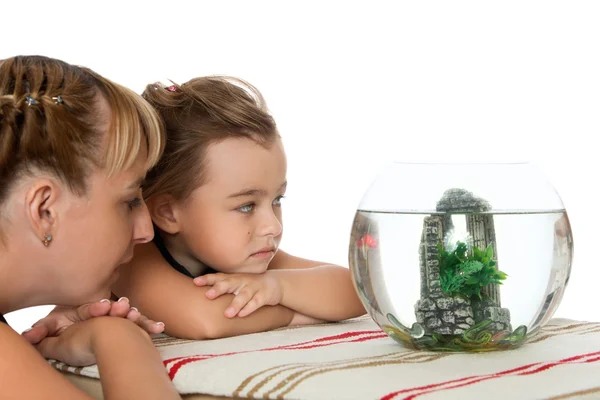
[324,292]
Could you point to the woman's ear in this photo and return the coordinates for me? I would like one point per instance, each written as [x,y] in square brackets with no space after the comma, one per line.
[41,205]
[163,210]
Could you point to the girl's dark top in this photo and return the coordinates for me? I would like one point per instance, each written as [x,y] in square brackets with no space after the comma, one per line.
[160,245]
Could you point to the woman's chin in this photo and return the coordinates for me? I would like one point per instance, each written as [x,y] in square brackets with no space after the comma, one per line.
[103,293]
[113,277]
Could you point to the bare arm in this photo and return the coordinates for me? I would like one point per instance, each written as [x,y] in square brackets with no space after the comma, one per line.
[26,375]
[164,294]
[316,290]
[129,364]
[142,376]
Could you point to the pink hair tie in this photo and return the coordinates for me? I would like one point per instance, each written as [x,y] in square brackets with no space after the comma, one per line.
[172,88]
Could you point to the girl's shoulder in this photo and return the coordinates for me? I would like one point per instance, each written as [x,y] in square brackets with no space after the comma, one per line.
[283,260]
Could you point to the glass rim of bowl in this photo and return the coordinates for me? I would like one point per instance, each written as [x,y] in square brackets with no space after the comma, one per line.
[450,162]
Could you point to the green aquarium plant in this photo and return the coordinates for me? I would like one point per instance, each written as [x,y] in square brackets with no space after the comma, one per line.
[465,271]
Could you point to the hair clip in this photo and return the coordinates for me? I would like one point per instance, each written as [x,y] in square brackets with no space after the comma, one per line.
[172,88]
[30,101]
[58,99]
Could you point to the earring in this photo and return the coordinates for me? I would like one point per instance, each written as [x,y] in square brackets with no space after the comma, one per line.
[47,240]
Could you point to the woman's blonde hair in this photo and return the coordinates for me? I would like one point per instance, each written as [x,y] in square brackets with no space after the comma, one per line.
[49,122]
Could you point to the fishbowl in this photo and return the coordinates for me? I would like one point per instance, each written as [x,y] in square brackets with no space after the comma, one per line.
[461,256]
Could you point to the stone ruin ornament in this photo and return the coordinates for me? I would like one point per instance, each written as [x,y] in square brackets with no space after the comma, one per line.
[442,315]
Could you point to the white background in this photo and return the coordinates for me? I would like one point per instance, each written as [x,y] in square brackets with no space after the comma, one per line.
[354,86]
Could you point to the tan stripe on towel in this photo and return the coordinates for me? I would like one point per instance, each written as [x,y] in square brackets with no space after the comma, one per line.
[546,335]
[357,366]
[313,369]
[288,367]
[65,368]
[306,367]
[577,394]
[164,341]
[570,327]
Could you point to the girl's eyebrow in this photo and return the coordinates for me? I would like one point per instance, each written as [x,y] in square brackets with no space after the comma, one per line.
[253,192]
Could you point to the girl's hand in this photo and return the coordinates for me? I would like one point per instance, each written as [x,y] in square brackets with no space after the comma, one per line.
[62,317]
[251,291]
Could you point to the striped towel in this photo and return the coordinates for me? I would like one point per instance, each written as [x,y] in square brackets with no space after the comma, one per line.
[354,359]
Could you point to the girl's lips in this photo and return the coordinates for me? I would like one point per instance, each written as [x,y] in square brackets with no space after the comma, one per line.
[263,254]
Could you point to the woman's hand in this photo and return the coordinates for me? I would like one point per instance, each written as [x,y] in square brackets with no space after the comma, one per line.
[75,345]
[62,318]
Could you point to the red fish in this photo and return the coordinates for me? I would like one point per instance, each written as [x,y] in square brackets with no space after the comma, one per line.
[367,240]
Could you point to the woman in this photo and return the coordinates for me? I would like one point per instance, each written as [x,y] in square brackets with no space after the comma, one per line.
[74,149]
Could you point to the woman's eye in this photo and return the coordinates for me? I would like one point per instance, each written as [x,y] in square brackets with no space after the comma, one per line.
[134,203]
[277,201]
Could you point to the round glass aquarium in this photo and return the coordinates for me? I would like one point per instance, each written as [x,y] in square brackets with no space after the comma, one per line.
[461,257]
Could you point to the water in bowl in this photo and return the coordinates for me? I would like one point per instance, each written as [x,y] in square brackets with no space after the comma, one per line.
[461,281]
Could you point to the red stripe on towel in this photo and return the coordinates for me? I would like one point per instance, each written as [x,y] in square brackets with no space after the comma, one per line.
[342,336]
[528,369]
[348,337]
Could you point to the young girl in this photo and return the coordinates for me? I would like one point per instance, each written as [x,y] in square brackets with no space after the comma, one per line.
[73,148]
[215,199]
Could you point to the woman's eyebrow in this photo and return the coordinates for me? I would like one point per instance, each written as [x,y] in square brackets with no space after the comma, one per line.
[137,183]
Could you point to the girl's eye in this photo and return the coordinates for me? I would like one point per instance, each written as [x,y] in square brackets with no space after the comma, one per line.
[246,208]
[134,203]
[277,201]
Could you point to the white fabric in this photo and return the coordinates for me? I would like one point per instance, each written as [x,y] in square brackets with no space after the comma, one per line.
[356,360]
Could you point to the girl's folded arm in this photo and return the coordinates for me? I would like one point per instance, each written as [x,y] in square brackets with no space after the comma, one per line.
[166,295]
[316,289]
